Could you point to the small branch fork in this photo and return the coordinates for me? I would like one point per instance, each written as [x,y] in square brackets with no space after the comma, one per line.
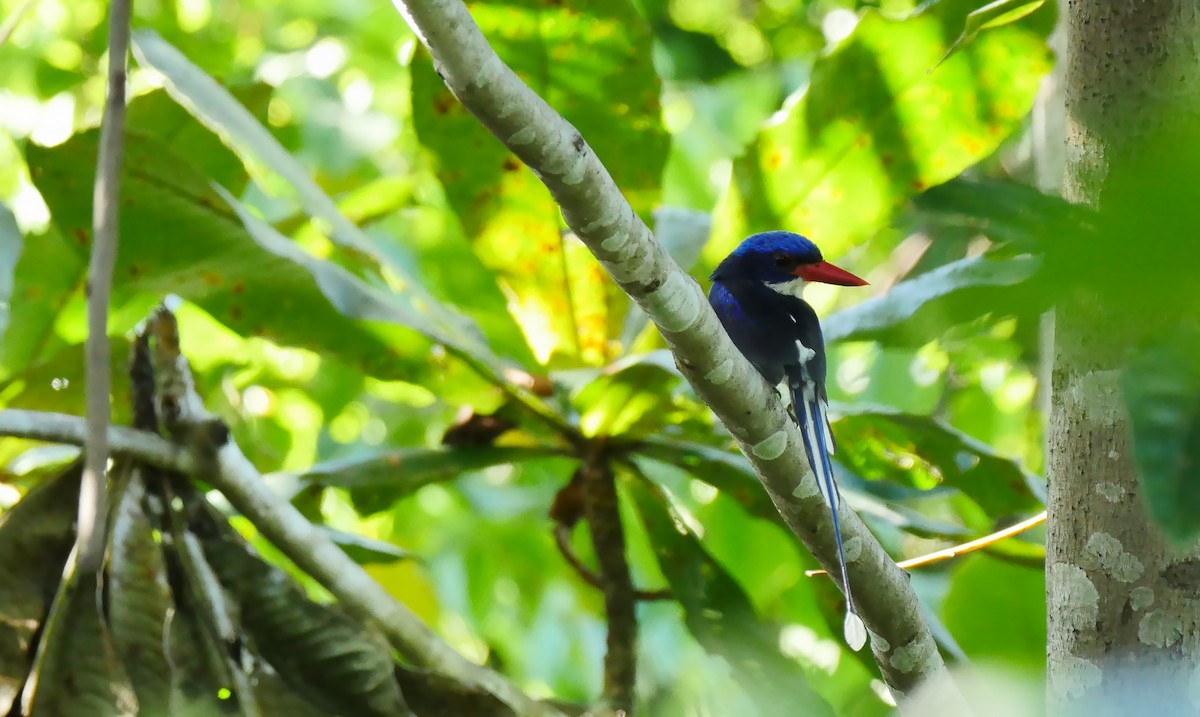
[206,450]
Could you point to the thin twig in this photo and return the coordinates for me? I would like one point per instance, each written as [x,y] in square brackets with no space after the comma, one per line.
[963,548]
[608,541]
[562,538]
[106,201]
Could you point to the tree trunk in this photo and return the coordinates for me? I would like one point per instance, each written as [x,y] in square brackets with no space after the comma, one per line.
[1123,624]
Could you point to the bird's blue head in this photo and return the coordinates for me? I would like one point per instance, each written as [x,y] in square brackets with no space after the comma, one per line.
[781,259]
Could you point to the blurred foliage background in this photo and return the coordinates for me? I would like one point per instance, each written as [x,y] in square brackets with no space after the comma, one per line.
[361,268]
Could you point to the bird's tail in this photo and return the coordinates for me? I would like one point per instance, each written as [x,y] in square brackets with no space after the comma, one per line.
[812,414]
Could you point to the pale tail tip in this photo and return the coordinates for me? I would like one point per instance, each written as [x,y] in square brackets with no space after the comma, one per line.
[855,631]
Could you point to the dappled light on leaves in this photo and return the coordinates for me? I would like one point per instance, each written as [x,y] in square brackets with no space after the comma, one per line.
[390,313]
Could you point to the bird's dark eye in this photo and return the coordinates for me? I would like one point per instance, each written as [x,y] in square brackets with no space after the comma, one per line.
[784,261]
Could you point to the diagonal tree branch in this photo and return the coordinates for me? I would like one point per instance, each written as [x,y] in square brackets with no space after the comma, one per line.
[213,455]
[594,208]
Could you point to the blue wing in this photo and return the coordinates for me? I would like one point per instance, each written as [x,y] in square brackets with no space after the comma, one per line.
[781,336]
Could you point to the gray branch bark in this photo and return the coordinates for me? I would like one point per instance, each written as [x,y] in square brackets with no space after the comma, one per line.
[228,470]
[594,208]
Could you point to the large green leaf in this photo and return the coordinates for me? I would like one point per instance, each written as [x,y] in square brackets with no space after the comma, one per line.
[880,121]
[591,61]
[729,472]
[178,236]
[140,601]
[216,107]
[919,310]
[720,615]
[35,538]
[51,271]
[634,399]
[880,443]
[983,590]
[378,480]
[1161,387]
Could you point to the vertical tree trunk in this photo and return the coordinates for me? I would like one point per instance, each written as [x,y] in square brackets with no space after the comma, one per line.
[1123,623]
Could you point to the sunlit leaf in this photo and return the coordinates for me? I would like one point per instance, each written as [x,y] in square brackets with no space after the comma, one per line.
[591,61]
[879,121]
[362,549]
[212,104]
[881,443]
[994,14]
[253,285]
[1161,387]
[720,615]
[635,399]
[378,480]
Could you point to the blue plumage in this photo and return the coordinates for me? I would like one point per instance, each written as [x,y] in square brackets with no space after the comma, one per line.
[756,293]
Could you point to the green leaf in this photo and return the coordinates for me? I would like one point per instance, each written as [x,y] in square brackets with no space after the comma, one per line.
[994,14]
[320,652]
[49,272]
[592,61]
[877,442]
[730,473]
[158,116]
[36,536]
[727,471]
[378,480]
[141,607]
[254,285]
[411,468]
[76,671]
[224,115]
[880,121]
[635,399]
[916,311]
[50,275]
[1161,387]
[720,615]
[997,611]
